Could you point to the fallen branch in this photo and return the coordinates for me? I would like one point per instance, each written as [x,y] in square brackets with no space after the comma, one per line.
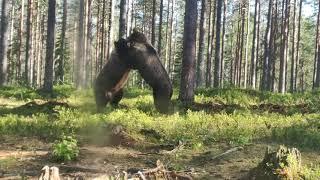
[227,153]
[175,150]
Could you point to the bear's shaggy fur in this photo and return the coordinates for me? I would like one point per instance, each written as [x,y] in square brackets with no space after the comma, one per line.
[140,55]
[111,80]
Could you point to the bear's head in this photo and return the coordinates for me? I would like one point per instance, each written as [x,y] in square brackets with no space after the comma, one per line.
[121,46]
[135,50]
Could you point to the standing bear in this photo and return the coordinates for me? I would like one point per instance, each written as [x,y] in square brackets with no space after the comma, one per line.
[139,54]
[111,79]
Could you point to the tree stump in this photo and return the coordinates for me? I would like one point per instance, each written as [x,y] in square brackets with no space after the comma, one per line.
[48,173]
[285,163]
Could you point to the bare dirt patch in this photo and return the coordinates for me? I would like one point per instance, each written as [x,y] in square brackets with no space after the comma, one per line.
[25,157]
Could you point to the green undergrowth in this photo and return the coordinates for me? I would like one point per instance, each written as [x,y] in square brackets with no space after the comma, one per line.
[198,128]
[26,94]
[252,97]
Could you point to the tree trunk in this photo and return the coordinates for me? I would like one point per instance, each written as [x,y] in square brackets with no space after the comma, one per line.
[284,48]
[166,62]
[122,21]
[214,18]
[208,68]
[200,62]
[189,53]
[237,61]
[243,15]
[63,43]
[48,77]
[154,13]
[298,45]
[11,68]
[87,49]
[102,35]
[258,59]
[80,47]
[217,70]
[293,50]
[267,51]
[160,28]
[110,33]
[28,44]
[274,47]
[20,38]
[245,81]
[170,39]
[39,47]
[254,45]
[3,43]
[223,42]
[317,59]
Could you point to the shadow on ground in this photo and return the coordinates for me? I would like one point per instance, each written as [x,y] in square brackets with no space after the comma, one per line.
[32,108]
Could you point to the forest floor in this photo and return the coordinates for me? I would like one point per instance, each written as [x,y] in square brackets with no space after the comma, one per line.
[224,135]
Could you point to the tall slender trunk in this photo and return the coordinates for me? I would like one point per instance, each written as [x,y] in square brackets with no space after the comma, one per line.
[39,47]
[212,49]
[154,13]
[189,53]
[293,50]
[223,42]
[3,43]
[170,39]
[20,39]
[208,64]
[217,71]
[166,62]
[284,48]
[245,74]
[63,42]
[87,50]
[317,59]
[267,51]
[254,45]
[48,77]
[33,54]
[298,45]
[11,63]
[258,59]
[237,62]
[28,44]
[102,34]
[80,47]
[122,20]
[200,62]
[110,33]
[160,28]
[97,44]
[274,48]
[243,15]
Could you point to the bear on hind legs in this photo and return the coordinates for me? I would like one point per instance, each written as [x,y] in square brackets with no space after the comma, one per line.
[108,87]
[139,54]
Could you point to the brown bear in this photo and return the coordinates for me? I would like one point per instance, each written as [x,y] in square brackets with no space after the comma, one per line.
[139,54]
[111,79]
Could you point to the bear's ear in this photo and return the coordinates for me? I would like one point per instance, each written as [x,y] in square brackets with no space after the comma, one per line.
[121,44]
[137,36]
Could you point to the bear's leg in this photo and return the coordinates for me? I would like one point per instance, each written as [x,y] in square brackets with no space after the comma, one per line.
[162,101]
[117,98]
[101,101]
